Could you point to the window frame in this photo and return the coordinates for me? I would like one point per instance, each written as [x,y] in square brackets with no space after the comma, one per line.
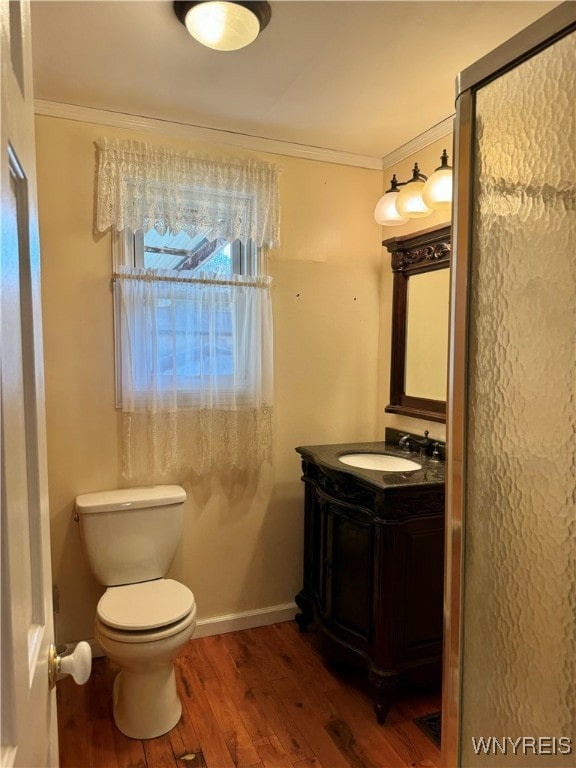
[128,251]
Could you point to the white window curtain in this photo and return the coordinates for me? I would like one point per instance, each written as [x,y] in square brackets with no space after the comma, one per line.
[196,351]
[147,187]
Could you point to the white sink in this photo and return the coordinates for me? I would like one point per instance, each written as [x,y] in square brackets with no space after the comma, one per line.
[381,461]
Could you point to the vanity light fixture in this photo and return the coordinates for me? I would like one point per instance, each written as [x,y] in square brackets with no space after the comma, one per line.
[419,197]
[385,212]
[224,25]
[410,203]
[437,192]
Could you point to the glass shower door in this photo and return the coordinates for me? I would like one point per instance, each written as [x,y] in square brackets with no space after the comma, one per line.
[510,644]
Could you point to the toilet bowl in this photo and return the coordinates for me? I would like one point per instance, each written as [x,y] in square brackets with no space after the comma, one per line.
[143,619]
[141,628]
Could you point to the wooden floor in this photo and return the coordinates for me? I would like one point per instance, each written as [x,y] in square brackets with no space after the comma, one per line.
[260,698]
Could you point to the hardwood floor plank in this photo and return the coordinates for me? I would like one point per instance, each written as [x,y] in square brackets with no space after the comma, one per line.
[278,720]
[241,748]
[304,695]
[372,740]
[220,703]
[309,763]
[300,655]
[183,737]
[310,723]
[238,686]
[204,666]
[196,707]
[191,758]
[413,746]
[229,711]
[98,690]
[342,735]
[129,752]
[253,659]
[72,724]
[101,748]
[285,729]
[272,754]
[259,698]
[159,752]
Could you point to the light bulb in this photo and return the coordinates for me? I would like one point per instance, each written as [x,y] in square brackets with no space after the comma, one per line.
[223,26]
[385,212]
[437,192]
[410,203]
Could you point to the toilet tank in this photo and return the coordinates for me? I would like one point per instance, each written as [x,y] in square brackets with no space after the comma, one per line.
[131,534]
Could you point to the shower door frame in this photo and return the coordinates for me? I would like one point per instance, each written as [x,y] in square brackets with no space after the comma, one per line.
[549,29]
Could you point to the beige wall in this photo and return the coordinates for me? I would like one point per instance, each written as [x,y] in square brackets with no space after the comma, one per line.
[428,159]
[242,545]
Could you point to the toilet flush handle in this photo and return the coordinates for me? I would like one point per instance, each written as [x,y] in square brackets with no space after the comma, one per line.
[78,664]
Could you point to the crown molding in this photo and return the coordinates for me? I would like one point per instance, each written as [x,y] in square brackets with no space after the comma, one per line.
[244,141]
[198,133]
[438,131]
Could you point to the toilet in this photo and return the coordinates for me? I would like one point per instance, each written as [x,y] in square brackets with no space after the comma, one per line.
[130,537]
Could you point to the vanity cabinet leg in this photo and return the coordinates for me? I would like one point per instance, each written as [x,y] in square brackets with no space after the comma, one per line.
[306,616]
[384,689]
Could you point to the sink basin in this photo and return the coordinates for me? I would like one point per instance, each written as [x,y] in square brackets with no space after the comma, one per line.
[381,461]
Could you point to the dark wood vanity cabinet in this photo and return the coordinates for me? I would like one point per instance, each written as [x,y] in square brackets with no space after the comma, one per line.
[373,577]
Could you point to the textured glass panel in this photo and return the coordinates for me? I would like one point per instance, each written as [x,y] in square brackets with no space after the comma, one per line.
[519,644]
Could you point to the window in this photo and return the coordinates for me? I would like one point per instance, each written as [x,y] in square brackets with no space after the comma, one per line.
[193,315]
[193,327]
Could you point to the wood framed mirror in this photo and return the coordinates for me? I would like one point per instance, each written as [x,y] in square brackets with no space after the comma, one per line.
[420,303]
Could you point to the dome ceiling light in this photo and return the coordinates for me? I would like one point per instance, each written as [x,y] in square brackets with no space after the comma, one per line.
[224,25]
[416,198]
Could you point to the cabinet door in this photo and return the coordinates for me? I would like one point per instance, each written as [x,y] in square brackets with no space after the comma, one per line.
[411,618]
[351,557]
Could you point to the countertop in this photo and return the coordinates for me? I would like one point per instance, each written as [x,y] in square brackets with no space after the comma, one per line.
[326,456]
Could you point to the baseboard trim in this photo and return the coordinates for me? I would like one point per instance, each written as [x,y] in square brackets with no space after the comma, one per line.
[232,622]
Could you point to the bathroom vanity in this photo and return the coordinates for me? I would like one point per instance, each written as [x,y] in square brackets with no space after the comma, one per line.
[374,563]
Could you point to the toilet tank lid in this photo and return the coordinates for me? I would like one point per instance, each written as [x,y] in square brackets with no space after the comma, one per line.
[126,498]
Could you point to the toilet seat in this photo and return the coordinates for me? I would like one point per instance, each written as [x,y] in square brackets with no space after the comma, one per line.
[146,605]
[145,635]
[145,612]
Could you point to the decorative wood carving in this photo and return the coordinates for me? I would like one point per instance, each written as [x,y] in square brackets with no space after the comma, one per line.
[428,249]
[345,489]
[439,253]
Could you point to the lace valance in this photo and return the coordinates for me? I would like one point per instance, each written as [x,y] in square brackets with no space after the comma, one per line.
[148,187]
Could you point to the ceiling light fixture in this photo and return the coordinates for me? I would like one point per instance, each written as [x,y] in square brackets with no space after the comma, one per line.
[419,197]
[224,25]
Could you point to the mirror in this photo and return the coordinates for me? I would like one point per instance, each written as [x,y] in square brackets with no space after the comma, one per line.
[420,304]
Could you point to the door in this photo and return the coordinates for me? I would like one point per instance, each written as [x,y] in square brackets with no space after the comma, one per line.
[351,584]
[509,693]
[29,734]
